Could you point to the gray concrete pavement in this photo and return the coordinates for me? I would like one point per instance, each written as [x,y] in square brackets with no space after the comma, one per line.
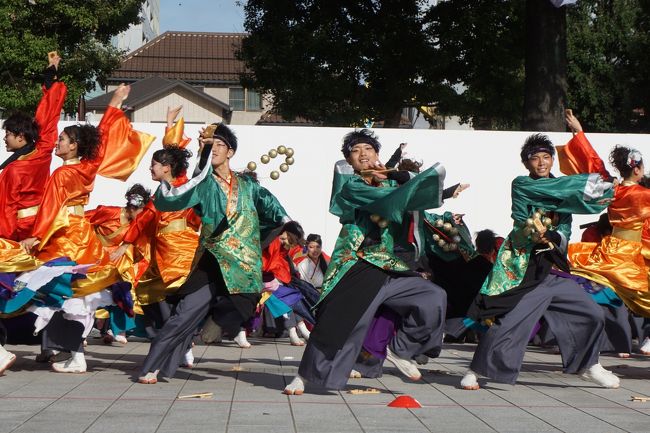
[247,384]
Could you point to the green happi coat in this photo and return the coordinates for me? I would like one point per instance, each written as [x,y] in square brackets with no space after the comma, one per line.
[357,203]
[465,247]
[580,194]
[233,219]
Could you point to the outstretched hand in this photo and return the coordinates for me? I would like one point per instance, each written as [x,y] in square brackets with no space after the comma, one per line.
[29,244]
[172,114]
[572,121]
[53,59]
[119,252]
[119,95]
[462,187]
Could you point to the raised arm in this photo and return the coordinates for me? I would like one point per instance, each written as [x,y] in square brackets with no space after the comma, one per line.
[48,111]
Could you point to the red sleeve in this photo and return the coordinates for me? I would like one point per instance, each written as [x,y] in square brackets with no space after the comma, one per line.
[193,220]
[273,261]
[141,223]
[47,116]
[9,194]
[100,215]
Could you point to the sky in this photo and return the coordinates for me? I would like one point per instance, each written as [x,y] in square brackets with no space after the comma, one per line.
[201,16]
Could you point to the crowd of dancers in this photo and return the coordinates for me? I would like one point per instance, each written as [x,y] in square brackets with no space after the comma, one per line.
[212,254]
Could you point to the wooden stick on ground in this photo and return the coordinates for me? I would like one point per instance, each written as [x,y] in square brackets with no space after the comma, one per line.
[198,395]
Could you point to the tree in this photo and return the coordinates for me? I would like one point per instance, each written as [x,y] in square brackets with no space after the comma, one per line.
[80,30]
[340,62]
[480,52]
[605,55]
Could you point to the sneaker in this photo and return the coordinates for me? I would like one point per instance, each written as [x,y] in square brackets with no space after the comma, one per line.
[405,366]
[470,381]
[6,360]
[121,339]
[605,378]
[76,364]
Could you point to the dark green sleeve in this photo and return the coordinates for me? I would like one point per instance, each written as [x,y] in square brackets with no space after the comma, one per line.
[269,210]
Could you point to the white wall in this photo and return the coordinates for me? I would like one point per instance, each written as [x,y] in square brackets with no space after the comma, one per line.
[487,160]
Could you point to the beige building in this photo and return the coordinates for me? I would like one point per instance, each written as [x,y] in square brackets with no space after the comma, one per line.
[197,70]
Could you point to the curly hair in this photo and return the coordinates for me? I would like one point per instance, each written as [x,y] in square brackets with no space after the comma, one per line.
[137,196]
[619,157]
[175,157]
[22,124]
[536,143]
[355,137]
[87,138]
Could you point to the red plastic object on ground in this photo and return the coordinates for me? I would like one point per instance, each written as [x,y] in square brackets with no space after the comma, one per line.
[405,401]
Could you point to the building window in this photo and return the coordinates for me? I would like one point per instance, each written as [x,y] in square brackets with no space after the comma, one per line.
[253,101]
[245,100]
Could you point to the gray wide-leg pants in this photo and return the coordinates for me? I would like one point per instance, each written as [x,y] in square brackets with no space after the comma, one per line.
[574,318]
[421,305]
[173,340]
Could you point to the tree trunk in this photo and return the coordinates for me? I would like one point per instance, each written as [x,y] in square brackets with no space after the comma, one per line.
[393,118]
[546,82]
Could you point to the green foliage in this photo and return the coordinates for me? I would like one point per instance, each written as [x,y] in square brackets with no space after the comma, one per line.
[80,30]
[600,39]
[481,47]
[339,62]
[465,56]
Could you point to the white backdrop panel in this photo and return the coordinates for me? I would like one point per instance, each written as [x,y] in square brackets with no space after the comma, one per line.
[487,160]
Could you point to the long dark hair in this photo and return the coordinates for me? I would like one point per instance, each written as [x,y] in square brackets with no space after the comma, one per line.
[175,157]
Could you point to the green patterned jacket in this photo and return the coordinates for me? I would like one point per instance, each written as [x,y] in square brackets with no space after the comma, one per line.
[233,219]
[581,194]
[363,208]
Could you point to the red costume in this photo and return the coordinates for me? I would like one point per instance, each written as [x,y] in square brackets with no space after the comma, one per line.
[22,182]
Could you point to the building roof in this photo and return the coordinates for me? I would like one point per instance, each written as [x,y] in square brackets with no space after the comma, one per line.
[143,91]
[194,57]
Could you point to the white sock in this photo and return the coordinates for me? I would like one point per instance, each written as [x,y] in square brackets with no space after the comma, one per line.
[4,352]
[293,337]
[241,339]
[302,329]
[296,387]
[469,381]
[78,357]
[189,358]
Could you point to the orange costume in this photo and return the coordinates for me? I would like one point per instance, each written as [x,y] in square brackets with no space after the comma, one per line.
[111,224]
[22,181]
[621,260]
[61,226]
[173,239]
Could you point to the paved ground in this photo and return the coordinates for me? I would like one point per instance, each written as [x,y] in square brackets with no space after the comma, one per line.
[247,397]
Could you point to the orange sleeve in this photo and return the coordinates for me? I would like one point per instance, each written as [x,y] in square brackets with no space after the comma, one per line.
[58,190]
[579,157]
[273,261]
[176,136]
[47,116]
[141,224]
[125,146]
